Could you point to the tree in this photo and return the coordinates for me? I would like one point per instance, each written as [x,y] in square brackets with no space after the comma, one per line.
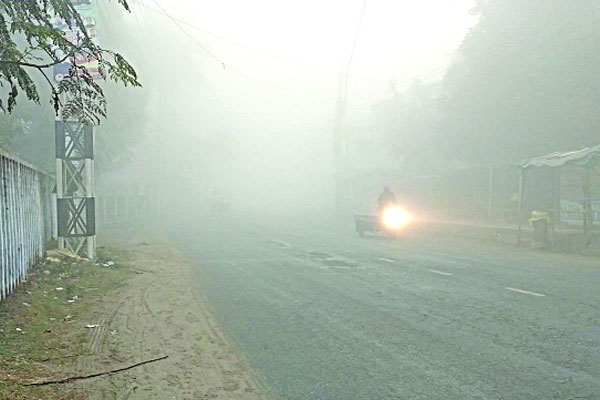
[409,123]
[29,41]
[524,82]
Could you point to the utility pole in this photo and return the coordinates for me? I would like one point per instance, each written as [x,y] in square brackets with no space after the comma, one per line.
[76,208]
[338,142]
[74,149]
[339,139]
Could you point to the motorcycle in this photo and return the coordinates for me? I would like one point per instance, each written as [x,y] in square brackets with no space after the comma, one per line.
[391,220]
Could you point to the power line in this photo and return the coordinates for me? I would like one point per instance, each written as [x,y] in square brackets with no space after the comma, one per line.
[206,50]
[183,22]
[358,28]
[179,22]
[215,57]
[228,40]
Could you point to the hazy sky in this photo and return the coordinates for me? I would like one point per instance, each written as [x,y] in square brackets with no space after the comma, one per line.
[300,45]
[264,139]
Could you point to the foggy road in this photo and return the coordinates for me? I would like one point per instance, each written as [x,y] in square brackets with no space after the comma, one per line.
[223,124]
[323,314]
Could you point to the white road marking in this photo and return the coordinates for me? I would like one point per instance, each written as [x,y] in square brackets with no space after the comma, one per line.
[440,272]
[386,260]
[526,292]
[280,243]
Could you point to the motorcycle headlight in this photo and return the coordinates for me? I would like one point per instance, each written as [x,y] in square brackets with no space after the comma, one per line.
[395,217]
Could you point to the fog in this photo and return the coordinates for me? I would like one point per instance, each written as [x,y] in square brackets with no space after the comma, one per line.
[244,102]
[316,199]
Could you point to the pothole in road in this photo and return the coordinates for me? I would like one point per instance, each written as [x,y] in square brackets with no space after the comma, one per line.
[332,261]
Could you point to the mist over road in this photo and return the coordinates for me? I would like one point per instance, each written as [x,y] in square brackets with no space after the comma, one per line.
[322,314]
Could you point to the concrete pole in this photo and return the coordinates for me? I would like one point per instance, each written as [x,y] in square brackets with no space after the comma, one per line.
[520,207]
[490,192]
[338,142]
[89,194]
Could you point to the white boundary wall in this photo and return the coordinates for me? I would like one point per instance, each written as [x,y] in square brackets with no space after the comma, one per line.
[27,219]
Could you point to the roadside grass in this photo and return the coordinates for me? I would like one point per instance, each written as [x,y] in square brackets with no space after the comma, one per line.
[43,324]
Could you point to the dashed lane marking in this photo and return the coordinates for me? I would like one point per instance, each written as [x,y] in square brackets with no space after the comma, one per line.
[525,292]
[280,243]
[386,260]
[435,271]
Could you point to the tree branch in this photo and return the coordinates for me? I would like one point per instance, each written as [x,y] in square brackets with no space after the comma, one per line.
[38,66]
[76,378]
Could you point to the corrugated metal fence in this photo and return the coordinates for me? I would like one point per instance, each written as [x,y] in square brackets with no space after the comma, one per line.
[27,219]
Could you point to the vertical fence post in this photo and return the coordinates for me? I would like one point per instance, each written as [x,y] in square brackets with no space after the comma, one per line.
[23,222]
[2,232]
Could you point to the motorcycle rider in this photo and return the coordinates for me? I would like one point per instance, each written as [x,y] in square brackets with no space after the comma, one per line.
[386,198]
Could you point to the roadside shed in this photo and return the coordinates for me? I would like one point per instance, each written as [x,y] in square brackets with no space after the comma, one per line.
[542,177]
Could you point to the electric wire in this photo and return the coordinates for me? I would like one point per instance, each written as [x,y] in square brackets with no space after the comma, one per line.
[228,40]
[218,59]
[356,36]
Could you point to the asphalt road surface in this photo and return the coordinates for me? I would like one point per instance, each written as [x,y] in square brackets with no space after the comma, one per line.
[323,314]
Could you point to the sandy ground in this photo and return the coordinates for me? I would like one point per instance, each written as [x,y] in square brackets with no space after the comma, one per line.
[159,314]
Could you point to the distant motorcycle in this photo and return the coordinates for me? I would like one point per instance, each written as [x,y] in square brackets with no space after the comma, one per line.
[391,220]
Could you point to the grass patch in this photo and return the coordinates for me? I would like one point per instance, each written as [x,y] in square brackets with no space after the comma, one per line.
[42,325]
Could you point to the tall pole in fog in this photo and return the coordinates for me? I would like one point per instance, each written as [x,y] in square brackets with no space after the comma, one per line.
[75,153]
[338,137]
[339,144]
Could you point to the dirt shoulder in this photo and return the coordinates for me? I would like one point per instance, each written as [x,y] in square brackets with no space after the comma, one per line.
[141,308]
